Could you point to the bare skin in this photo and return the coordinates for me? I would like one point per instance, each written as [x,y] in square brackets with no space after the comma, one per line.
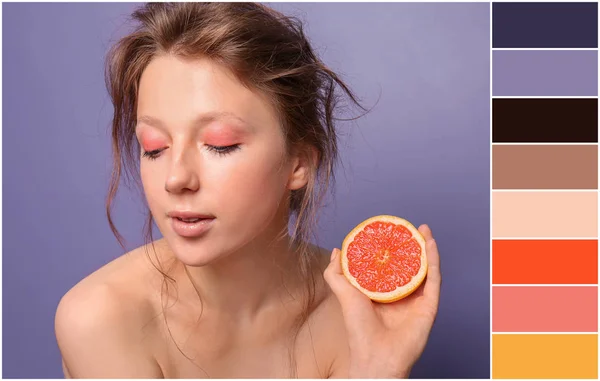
[236,293]
[111,325]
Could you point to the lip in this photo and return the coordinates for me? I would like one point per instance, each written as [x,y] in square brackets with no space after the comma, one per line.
[191,229]
[188,214]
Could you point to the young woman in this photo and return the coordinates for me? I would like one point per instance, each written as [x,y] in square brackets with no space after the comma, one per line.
[227,115]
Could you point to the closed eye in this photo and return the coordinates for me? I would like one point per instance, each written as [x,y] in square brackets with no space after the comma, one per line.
[152,155]
[219,150]
[223,150]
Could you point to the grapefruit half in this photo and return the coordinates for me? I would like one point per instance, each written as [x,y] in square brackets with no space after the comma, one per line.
[384,257]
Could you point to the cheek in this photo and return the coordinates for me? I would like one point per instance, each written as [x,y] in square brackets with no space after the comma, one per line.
[152,182]
[257,176]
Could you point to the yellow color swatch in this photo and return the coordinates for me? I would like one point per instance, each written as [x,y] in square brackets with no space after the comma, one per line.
[545,356]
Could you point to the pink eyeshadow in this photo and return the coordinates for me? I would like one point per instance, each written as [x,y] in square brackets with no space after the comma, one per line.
[152,141]
[222,136]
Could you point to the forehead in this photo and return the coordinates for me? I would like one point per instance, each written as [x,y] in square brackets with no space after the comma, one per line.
[178,91]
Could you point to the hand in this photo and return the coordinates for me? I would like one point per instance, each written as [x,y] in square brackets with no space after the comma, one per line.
[386,340]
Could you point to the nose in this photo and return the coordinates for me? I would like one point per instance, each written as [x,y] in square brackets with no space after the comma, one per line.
[182,176]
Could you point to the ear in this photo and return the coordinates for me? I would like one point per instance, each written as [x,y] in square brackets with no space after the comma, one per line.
[303,161]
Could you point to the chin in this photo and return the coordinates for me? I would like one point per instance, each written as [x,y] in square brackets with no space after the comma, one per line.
[194,260]
[193,252]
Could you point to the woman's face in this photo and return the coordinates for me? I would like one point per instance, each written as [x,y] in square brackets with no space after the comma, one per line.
[213,165]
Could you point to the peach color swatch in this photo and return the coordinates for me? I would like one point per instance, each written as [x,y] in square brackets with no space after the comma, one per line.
[544,214]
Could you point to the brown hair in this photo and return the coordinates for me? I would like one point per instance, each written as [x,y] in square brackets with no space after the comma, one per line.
[266,51]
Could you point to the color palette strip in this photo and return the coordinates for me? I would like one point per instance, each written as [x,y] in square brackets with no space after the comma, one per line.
[544,200]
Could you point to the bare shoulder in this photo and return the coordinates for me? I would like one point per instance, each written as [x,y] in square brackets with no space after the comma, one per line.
[103,323]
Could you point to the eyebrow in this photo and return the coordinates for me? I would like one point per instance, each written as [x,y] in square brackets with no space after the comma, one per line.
[201,120]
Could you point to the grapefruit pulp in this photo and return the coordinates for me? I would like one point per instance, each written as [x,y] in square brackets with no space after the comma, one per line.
[384,257]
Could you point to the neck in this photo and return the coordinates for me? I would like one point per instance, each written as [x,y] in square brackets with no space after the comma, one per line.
[261,275]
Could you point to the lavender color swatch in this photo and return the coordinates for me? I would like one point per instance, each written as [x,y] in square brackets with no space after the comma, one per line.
[545,73]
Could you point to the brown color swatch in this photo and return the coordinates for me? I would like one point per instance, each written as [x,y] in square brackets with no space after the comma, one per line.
[545,167]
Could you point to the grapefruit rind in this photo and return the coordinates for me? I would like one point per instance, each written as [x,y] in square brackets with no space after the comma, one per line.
[402,291]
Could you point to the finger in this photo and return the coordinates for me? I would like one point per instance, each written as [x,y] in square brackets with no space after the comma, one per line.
[433,257]
[426,231]
[351,299]
[434,276]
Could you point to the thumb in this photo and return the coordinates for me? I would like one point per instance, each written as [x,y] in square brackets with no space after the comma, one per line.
[354,303]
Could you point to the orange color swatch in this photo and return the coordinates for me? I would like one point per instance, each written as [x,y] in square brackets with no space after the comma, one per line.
[544,309]
[547,356]
[545,261]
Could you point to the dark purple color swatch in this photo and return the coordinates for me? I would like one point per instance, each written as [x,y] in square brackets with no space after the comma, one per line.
[422,153]
[545,25]
[545,73]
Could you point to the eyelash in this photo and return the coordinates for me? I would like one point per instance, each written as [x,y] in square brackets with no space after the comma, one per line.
[152,155]
[223,150]
[219,150]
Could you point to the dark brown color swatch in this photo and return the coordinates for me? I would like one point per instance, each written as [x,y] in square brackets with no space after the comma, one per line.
[531,120]
[545,167]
